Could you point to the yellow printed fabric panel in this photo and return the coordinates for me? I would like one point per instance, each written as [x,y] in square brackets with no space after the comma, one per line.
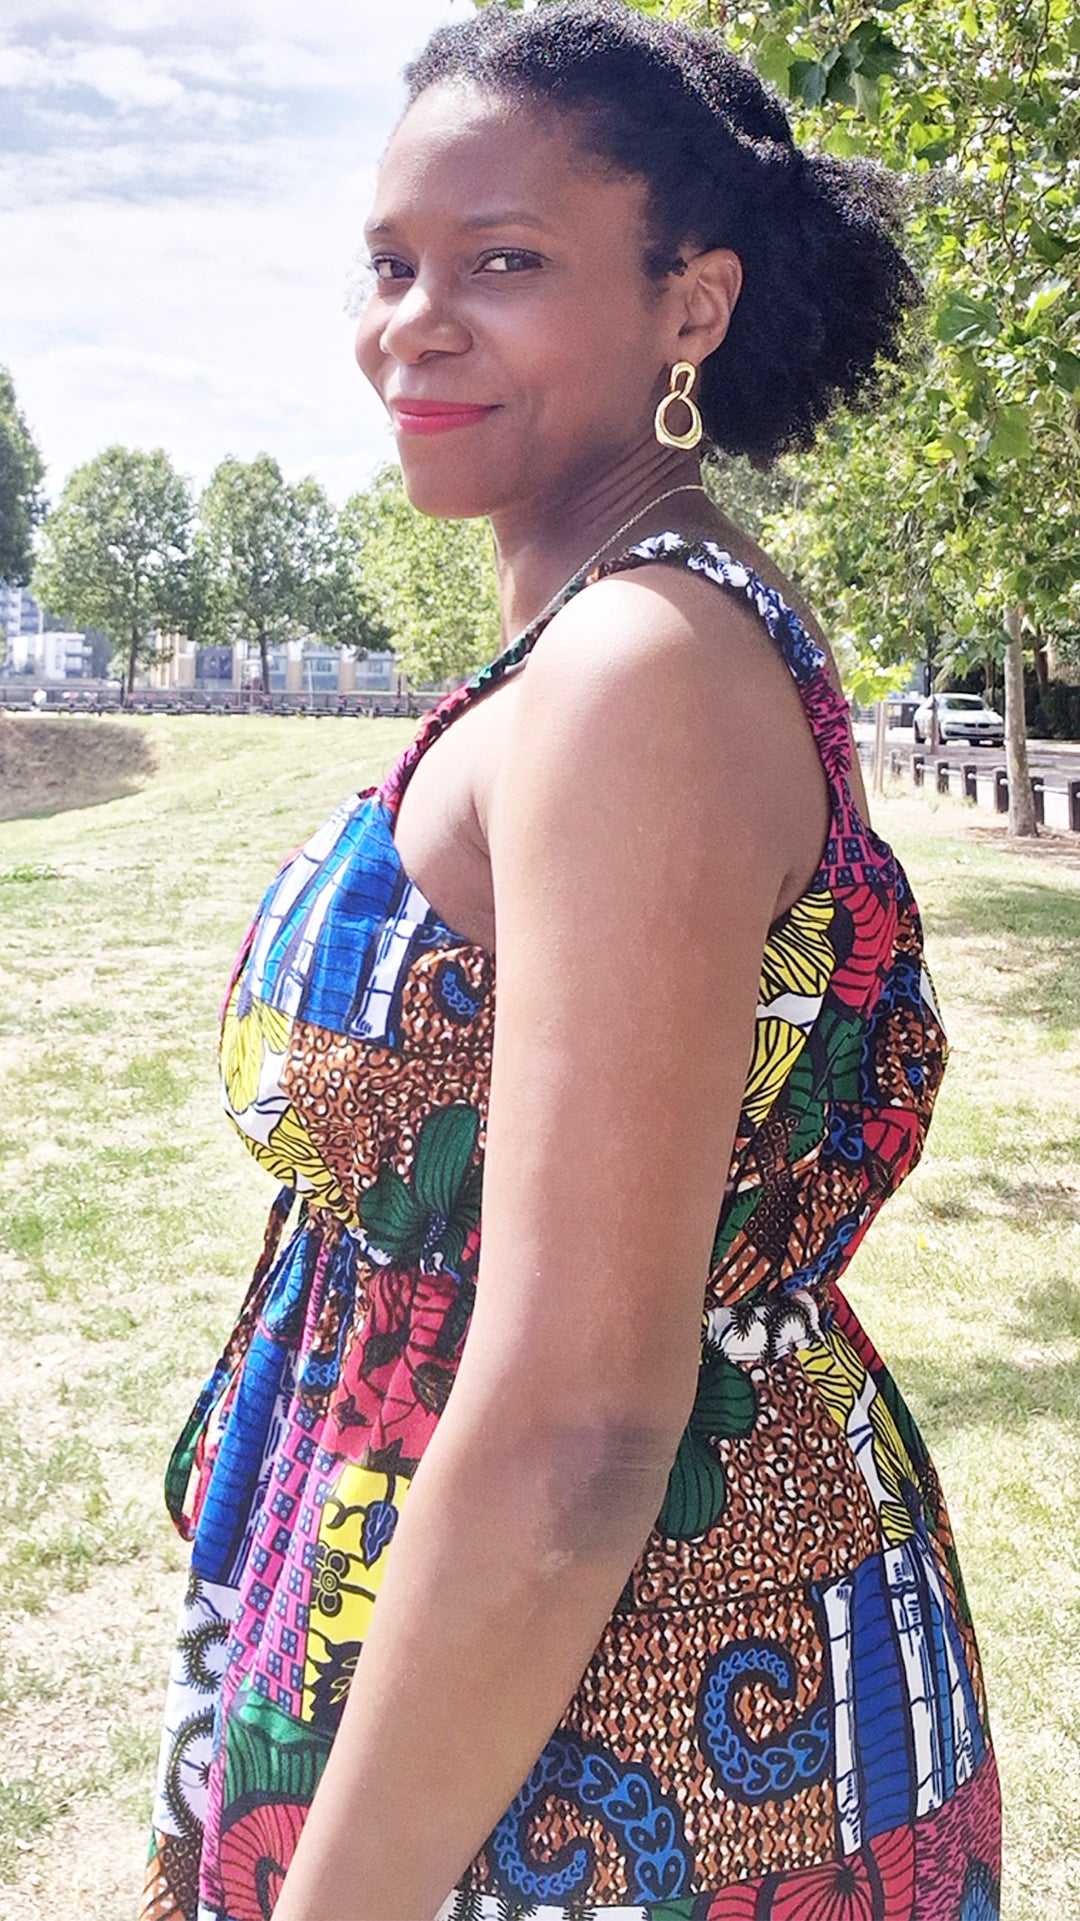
[777,1046]
[852,1399]
[351,1554]
[254,1053]
[837,1372]
[291,1156]
[254,1039]
[799,957]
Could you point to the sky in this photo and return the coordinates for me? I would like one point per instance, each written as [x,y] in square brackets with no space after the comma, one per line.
[183,185]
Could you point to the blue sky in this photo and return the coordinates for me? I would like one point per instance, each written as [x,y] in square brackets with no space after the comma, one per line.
[182,187]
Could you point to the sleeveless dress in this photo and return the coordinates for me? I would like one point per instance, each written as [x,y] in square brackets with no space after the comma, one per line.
[784,1719]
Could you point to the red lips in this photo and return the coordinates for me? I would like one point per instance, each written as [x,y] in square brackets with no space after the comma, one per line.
[435,416]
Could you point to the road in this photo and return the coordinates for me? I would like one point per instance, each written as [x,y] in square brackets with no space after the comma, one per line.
[1046,756]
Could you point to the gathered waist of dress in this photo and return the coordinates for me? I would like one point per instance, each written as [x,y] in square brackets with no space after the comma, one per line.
[324,1272]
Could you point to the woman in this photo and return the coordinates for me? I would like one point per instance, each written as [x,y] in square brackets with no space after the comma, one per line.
[670,1622]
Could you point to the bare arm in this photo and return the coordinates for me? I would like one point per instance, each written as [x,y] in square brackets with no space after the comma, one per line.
[632,902]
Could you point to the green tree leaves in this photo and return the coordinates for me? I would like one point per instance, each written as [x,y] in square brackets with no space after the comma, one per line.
[963,321]
[117,551]
[431,582]
[951,519]
[263,562]
[847,72]
[266,561]
[22,471]
[915,529]
[271,553]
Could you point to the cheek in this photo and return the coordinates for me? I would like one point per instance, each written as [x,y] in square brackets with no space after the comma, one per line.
[598,379]
[369,357]
[569,367]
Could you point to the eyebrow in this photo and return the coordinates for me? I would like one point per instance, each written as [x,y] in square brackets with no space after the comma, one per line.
[509,217]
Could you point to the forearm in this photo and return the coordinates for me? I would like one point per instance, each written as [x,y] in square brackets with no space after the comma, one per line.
[506,1564]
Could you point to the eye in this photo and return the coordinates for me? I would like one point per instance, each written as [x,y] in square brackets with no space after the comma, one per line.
[387,266]
[510,260]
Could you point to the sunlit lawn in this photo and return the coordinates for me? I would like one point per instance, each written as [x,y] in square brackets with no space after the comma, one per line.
[131,1217]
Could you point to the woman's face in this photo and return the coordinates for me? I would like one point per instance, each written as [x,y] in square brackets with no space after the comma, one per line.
[509,287]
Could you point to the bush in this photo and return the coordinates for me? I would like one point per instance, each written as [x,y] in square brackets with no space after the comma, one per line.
[1055,714]
[1061,705]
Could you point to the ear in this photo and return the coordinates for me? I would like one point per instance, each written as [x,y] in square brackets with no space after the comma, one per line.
[710,287]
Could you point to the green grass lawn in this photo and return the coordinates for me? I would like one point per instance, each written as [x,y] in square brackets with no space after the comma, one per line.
[132,1216]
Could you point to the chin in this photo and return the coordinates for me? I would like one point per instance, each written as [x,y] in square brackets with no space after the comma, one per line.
[436,489]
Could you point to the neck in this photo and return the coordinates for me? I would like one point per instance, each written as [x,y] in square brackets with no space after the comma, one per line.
[540,544]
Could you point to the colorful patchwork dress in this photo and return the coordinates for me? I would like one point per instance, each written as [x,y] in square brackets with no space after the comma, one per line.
[784,1719]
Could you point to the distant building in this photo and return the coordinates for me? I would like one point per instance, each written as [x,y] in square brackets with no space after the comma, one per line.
[214,669]
[308,668]
[33,648]
[19,615]
[376,672]
[51,656]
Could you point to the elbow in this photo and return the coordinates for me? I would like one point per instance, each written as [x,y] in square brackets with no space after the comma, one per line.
[584,1472]
[604,1484]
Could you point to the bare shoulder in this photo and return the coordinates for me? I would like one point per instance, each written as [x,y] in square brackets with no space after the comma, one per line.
[663,647]
[655,611]
[653,692]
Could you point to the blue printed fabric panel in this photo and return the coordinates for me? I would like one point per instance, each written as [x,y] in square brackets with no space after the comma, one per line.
[338,928]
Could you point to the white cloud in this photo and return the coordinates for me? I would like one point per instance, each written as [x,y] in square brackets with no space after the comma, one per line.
[183,188]
[124,76]
[205,327]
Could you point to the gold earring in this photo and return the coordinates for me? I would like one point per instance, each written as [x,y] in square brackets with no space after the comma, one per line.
[683,376]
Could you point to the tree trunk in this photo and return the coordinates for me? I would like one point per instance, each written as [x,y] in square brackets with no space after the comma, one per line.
[877,780]
[264,656]
[1021,801]
[133,655]
[933,735]
[1042,667]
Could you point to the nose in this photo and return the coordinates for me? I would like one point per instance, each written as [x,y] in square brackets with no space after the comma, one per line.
[422,321]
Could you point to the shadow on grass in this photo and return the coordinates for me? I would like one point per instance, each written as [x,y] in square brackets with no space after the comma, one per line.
[1052,1310]
[1031,909]
[1045,920]
[1037,1201]
[997,1392]
[1023,1202]
[64,762]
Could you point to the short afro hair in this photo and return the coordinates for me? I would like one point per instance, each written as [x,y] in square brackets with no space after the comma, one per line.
[825,286]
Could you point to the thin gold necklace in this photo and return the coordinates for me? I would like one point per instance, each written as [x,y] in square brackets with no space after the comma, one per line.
[688,487]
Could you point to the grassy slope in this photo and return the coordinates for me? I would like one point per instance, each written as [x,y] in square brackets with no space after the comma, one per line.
[136,1217]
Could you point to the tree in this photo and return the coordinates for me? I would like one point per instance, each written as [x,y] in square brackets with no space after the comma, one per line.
[343,611]
[979,102]
[116,552]
[430,582]
[956,508]
[750,496]
[22,471]
[273,563]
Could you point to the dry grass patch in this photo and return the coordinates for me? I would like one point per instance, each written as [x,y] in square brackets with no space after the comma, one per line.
[49,766]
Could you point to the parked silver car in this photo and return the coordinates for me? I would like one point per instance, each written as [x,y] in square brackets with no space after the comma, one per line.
[961,717]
